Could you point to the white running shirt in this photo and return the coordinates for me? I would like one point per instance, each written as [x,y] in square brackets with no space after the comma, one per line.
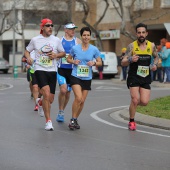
[41,46]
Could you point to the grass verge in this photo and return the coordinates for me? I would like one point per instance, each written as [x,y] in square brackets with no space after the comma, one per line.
[159,107]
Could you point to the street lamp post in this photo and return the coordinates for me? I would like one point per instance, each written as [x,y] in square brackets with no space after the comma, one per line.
[15,68]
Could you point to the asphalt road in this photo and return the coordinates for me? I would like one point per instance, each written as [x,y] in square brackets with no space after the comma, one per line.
[102,143]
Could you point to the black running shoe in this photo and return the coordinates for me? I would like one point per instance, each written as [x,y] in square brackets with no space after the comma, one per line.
[72,124]
[76,125]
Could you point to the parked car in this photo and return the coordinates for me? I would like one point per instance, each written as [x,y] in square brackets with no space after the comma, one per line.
[4,65]
[110,64]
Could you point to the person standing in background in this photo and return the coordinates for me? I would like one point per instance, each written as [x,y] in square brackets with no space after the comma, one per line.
[124,68]
[165,54]
[163,43]
[100,70]
[159,67]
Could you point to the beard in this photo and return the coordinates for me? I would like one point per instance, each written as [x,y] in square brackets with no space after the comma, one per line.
[141,39]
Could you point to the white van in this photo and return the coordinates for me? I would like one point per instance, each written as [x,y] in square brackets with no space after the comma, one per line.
[110,64]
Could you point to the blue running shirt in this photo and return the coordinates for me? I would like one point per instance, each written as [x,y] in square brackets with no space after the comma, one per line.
[67,45]
[82,71]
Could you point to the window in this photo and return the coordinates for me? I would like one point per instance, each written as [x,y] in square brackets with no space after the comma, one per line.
[165,3]
[7,24]
[143,4]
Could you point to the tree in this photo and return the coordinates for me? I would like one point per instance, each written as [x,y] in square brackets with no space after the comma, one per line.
[4,14]
[132,16]
[86,10]
[30,9]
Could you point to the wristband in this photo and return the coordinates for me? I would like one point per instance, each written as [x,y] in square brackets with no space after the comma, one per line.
[130,59]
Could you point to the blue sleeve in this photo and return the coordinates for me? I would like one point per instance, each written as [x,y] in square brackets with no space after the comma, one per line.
[97,53]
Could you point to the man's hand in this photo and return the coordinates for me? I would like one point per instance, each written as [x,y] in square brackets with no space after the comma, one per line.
[52,55]
[135,58]
[30,61]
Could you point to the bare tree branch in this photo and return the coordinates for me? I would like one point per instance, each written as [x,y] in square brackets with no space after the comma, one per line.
[156,17]
[86,10]
[102,16]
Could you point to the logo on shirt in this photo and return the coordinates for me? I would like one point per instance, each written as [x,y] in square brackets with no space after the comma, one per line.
[46,49]
[148,50]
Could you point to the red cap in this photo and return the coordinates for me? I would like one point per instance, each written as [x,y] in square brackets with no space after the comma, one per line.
[43,22]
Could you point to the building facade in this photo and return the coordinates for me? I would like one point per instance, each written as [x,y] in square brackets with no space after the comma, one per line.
[154,13]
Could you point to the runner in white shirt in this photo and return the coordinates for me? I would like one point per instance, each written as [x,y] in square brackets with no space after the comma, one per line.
[48,49]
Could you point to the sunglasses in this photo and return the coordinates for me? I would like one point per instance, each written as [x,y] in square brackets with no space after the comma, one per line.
[49,25]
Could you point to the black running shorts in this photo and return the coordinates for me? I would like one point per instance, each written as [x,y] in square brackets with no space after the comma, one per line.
[46,78]
[85,84]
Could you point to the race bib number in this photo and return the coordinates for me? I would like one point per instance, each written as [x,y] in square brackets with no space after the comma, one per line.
[143,71]
[64,59]
[45,61]
[82,71]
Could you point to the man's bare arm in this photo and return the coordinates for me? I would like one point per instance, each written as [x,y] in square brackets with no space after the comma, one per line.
[29,59]
[128,54]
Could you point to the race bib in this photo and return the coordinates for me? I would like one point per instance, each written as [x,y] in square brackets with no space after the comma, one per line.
[45,61]
[64,59]
[143,71]
[82,71]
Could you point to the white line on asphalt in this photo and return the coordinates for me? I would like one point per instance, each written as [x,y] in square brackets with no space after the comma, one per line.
[9,86]
[107,88]
[94,116]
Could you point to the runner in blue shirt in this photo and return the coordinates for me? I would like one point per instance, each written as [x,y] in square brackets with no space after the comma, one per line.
[83,57]
[65,69]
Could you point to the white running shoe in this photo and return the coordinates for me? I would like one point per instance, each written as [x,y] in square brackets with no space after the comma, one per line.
[49,126]
[37,100]
[40,111]
[40,108]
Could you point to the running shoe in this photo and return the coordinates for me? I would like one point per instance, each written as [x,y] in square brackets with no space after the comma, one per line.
[60,116]
[37,101]
[76,125]
[49,126]
[72,124]
[40,108]
[36,108]
[40,111]
[132,126]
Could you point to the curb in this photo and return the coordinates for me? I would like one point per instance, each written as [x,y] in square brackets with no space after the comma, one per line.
[147,120]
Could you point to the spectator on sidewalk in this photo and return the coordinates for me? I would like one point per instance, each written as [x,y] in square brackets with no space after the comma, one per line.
[162,43]
[159,67]
[124,68]
[166,58]
[100,70]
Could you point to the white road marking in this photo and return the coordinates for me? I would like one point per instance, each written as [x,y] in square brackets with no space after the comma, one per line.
[94,116]
[107,88]
[9,86]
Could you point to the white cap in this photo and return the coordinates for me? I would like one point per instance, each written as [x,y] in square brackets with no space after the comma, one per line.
[70,26]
